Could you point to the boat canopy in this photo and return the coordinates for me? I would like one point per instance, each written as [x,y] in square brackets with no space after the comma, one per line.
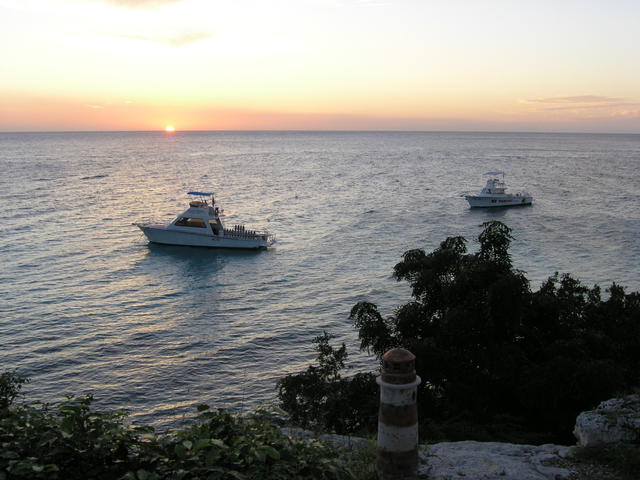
[202,194]
[497,172]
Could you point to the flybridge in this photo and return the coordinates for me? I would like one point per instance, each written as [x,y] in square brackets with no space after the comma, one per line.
[202,194]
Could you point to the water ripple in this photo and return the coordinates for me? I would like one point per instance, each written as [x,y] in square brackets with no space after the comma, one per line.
[87,305]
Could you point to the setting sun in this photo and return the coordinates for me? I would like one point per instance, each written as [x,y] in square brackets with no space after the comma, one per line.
[169,128]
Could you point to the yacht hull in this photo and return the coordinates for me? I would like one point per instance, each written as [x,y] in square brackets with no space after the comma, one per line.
[163,235]
[489,201]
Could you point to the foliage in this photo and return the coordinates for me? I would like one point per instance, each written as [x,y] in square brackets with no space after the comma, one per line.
[499,428]
[69,441]
[223,445]
[486,345]
[72,441]
[321,398]
[362,460]
[10,386]
[624,458]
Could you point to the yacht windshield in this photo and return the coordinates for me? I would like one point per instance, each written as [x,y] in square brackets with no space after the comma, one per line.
[190,222]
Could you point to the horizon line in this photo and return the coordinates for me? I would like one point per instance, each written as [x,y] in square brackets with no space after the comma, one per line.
[178,131]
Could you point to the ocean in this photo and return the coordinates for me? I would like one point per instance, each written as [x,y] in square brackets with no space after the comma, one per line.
[87,305]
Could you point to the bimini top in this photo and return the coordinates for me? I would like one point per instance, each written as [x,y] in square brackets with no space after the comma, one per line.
[202,194]
[497,172]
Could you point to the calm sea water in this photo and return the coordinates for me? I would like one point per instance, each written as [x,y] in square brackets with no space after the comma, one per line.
[87,305]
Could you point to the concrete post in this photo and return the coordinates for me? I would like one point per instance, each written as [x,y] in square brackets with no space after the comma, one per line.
[398,416]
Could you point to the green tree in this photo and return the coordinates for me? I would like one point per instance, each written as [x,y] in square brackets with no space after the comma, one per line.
[487,346]
[463,323]
[10,386]
[321,398]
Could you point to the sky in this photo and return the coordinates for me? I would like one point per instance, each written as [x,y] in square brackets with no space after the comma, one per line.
[482,65]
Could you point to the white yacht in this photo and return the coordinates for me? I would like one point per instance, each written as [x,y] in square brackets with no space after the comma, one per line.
[494,194]
[201,226]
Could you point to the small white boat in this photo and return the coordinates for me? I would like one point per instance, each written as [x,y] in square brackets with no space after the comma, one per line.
[201,226]
[494,194]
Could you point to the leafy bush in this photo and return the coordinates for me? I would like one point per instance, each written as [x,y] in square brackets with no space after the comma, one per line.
[321,398]
[71,441]
[10,386]
[487,346]
[624,458]
[223,445]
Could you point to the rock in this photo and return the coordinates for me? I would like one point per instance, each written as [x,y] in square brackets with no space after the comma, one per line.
[469,460]
[344,442]
[337,441]
[492,461]
[615,420]
[298,433]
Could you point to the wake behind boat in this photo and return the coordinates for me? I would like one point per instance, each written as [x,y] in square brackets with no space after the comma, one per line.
[201,226]
[494,194]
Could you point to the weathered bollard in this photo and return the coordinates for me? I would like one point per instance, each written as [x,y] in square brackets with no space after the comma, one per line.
[398,416]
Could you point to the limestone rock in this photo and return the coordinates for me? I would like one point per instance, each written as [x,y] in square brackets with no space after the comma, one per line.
[492,461]
[615,420]
[337,441]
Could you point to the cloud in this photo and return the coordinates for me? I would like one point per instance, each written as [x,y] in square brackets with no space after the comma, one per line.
[141,3]
[596,106]
[584,107]
[178,39]
[575,99]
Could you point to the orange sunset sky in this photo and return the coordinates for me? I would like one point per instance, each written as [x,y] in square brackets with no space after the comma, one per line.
[326,65]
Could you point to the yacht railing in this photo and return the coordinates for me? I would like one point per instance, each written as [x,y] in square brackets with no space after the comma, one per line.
[240,232]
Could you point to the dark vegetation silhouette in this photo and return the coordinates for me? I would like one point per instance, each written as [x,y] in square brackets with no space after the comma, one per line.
[321,397]
[496,359]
